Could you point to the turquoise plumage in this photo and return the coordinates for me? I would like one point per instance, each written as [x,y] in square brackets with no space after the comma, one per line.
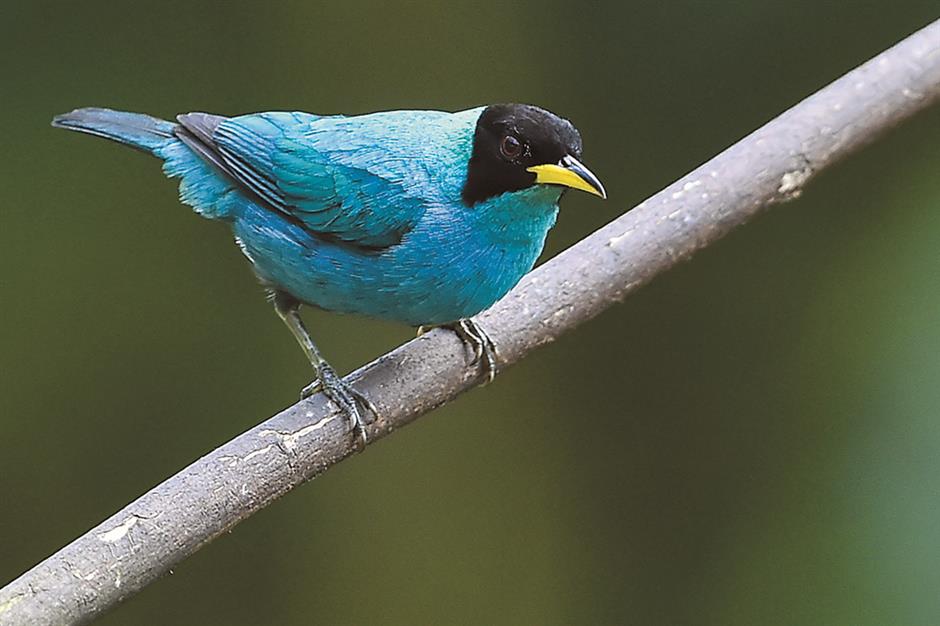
[422,217]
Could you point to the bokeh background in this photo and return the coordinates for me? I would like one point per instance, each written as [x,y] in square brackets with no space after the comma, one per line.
[753,439]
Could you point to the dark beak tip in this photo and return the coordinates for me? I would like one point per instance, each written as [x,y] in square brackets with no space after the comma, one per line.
[585,174]
[599,188]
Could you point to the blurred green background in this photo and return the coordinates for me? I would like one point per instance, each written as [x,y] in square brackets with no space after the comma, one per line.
[753,439]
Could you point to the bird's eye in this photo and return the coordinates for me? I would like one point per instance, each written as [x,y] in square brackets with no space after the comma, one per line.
[510,147]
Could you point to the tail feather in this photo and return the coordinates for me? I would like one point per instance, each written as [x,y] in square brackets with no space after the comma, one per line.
[201,186]
[137,130]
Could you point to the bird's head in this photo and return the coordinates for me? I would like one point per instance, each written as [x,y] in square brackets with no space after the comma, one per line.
[516,146]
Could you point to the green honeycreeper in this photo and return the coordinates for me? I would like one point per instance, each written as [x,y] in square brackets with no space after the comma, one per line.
[421,217]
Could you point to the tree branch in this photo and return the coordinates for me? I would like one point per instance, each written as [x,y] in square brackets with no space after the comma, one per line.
[116,559]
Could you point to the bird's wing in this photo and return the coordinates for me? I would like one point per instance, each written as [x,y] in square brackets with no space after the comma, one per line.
[334,185]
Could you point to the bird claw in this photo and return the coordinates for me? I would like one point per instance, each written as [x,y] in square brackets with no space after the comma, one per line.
[346,398]
[472,334]
[311,390]
[484,349]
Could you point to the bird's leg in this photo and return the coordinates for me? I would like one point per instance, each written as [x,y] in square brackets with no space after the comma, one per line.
[472,334]
[327,380]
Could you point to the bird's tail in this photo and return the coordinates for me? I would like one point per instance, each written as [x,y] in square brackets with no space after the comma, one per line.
[201,187]
[137,130]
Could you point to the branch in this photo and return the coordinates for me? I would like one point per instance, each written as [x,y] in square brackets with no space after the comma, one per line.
[118,558]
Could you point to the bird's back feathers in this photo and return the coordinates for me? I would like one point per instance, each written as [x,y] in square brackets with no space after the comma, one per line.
[276,157]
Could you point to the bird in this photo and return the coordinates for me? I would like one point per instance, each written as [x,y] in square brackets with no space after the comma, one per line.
[416,216]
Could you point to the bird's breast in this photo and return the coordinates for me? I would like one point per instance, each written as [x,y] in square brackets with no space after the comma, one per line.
[452,269]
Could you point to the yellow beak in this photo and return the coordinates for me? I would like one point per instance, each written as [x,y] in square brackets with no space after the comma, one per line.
[571,173]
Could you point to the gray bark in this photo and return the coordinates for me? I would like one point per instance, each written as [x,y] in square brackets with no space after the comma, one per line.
[123,554]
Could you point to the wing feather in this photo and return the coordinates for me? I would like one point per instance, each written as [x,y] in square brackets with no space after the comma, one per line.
[279,159]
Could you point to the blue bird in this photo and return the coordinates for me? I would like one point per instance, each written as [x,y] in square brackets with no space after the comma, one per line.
[421,217]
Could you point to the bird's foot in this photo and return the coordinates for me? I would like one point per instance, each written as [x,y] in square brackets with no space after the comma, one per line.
[346,398]
[484,350]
